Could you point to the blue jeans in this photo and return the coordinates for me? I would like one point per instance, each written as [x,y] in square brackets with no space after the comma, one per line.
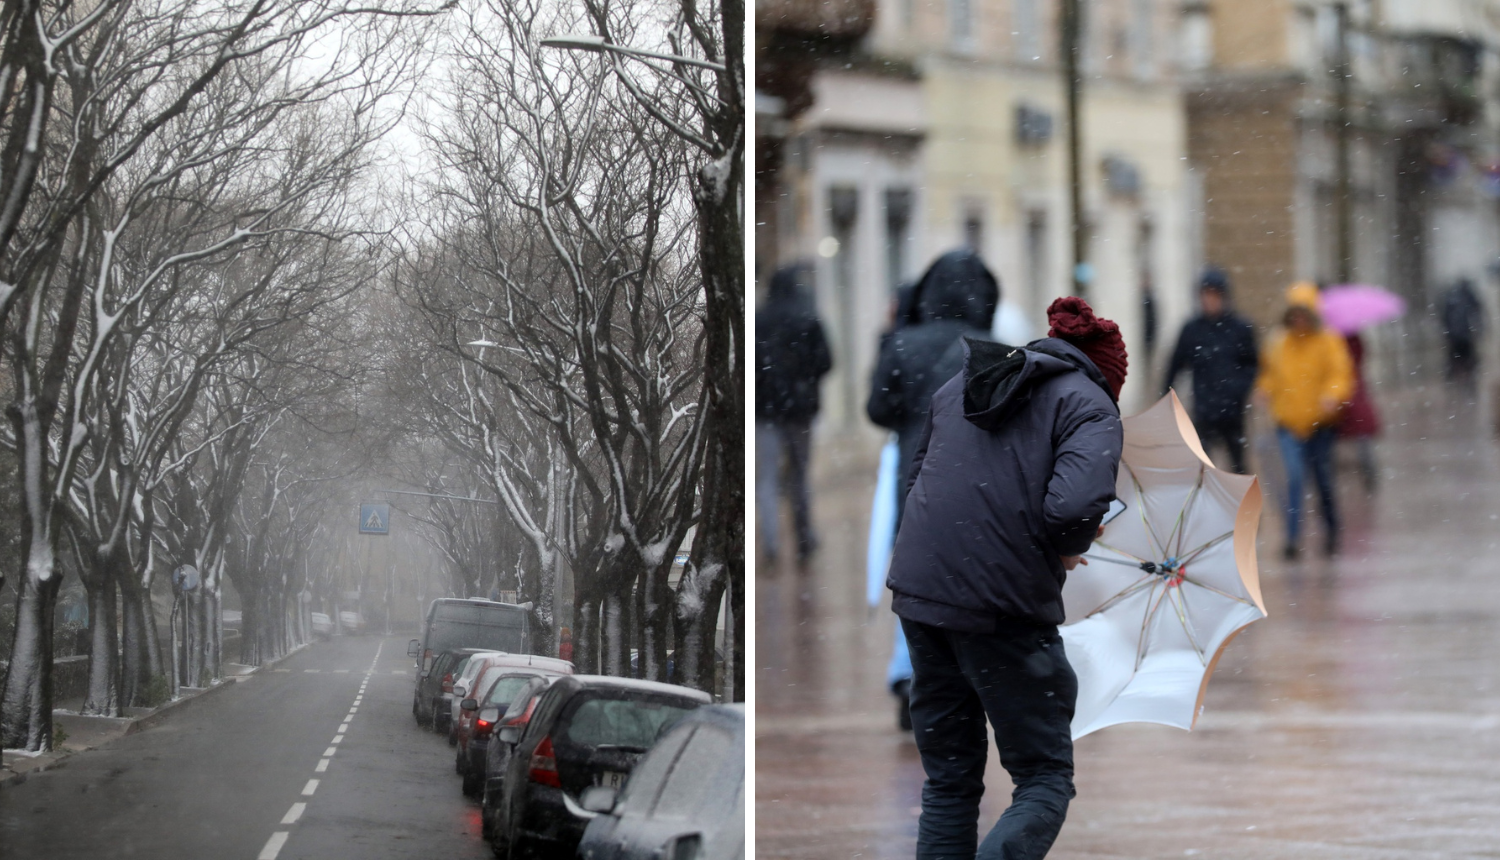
[1019,678]
[1315,453]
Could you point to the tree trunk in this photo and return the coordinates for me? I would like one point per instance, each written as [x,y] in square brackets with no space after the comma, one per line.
[586,638]
[26,709]
[135,656]
[103,698]
[613,635]
[736,651]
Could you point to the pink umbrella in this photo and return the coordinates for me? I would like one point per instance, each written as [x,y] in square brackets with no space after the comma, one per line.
[1347,308]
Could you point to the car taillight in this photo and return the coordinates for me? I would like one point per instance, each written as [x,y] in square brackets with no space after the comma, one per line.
[482,727]
[448,683]
[544,764]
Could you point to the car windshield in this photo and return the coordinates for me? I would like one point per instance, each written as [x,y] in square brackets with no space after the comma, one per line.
[634,723]
[506,689]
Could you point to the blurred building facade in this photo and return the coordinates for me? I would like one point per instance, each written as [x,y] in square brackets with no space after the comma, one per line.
[891,131]
[1417,165]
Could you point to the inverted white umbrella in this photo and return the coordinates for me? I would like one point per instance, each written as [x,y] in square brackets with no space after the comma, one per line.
[1169,583]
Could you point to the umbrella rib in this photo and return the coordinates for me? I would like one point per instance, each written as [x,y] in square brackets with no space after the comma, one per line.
[1140,648]
[1202,548]
[1118,550]
[1140,495]
[1179,529]
[1179,603]
[1129,590]
[1218,591]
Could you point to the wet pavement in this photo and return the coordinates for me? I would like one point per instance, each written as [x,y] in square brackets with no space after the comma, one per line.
[1360,720]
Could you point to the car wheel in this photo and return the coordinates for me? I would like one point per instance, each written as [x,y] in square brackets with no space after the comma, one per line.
[473,783]
[458,763]
[452,734]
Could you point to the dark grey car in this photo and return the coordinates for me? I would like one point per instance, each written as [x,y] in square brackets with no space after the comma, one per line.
[685,800]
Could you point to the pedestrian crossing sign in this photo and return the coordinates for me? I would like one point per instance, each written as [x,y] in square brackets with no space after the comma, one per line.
[375,518]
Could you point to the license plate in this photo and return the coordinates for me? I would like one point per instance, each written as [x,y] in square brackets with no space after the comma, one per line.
[612,779]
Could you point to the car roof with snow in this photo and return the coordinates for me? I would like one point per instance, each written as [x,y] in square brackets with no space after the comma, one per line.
[610,681]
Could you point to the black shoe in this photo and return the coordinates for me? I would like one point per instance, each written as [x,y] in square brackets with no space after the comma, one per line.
[903,704]
[1291,552]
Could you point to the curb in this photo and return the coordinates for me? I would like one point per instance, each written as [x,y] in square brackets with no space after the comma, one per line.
[147,721]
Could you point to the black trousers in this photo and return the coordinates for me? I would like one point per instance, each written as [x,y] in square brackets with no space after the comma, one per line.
[1227,429]
[1019,678]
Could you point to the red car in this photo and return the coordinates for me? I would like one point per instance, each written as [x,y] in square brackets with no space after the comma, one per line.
[503,688]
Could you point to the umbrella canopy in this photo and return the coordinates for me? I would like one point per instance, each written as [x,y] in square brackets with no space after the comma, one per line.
[1168,584]
[1347,308]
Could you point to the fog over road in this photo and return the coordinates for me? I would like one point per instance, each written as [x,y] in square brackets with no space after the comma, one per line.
[223,777]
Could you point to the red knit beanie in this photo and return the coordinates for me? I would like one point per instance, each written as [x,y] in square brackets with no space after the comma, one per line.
[1073,320]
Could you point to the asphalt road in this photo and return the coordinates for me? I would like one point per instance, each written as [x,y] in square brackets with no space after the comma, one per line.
[317,758]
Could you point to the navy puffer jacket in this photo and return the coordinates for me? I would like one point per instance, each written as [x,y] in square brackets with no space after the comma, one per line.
[1016,469]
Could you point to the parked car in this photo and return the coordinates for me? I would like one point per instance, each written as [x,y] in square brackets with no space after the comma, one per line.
[497,754]
[479,714]
[351,622]
[465,683]
[685,799]
[471,623]
[430,701]
[322,625]
[586,730]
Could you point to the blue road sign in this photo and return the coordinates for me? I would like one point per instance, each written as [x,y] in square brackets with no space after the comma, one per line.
[375,518]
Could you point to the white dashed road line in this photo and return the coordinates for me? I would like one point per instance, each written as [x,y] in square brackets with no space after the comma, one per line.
[293,815]
[273,846]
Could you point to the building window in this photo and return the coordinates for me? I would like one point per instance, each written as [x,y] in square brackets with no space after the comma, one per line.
[1142,37]
[897,234]
[1026,29]
[1196,37]
[962,27]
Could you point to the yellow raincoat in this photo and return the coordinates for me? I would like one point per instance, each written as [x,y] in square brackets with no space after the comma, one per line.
[1299,372]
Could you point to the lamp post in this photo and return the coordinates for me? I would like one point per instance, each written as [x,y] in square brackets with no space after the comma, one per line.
[717,189]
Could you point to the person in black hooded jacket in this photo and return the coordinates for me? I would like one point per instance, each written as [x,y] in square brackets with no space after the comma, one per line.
[791,359]
[1010,483]
[957,296]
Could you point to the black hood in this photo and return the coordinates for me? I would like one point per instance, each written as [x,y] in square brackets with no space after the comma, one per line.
[958,286]
[998,379]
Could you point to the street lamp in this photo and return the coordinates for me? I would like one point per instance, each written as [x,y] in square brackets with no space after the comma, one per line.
[598,45]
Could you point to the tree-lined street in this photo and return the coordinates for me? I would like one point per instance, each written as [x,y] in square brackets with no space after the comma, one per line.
[222,776]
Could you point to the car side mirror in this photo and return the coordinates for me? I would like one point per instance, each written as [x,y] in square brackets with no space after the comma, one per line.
[510,734]
[460,690]
[489,715]
[413,648]
[599,798]
[468,705]
[683,847]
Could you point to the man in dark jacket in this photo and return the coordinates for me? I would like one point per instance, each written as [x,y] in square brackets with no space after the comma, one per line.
[1218,346]
[791,356]
[1013,477]
[957,296]
[1463,324]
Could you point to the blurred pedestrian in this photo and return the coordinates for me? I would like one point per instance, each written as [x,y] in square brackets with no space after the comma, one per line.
[1306,378]
[791,357]
[1010,483]
[1360,422]
[956,297]
[1463,324]
[1218,347]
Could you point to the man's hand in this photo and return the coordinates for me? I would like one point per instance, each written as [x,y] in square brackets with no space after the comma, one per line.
[1072,561]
